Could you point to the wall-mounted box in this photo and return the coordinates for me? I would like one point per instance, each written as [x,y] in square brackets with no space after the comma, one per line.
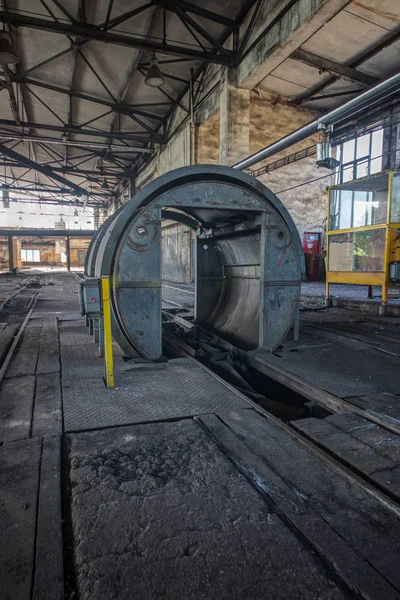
[90,297]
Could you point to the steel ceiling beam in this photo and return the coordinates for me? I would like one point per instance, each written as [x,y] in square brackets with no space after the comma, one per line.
[92,32]
[73,171]
[202,12]
[45,170]
[115,148]
[48,232]
[133,69]
[176,7]
[45,189]
[120,135]
[55,202]
[121,108]
[363,57]
[333,68]
[47,60]
[110,23]
[12,98]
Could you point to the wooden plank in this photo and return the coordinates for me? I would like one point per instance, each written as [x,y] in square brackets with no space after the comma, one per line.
[354,453]
[16,403]
[374,407]
[47,416]
[337,517]
[384,442]
[25,358]
[19,482]
[49,361]
[49,575]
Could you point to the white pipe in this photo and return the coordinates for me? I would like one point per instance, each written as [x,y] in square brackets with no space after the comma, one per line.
[354,106]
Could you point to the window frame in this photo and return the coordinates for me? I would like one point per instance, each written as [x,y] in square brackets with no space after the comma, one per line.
[28,255]
[357,161]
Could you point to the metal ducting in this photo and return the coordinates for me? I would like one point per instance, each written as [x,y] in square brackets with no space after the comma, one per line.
[361,103]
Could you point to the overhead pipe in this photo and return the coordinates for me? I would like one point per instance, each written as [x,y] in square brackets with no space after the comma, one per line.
[349,109]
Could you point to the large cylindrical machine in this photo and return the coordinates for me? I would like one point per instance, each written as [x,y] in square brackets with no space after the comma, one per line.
[249,259]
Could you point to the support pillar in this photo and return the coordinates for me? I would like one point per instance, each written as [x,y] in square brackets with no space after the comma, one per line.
[16,251]
[234,120]
[10,252]
[68,253]
[391,143]
[96,218]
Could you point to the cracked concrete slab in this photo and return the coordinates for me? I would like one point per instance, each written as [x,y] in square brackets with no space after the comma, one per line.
[159,512]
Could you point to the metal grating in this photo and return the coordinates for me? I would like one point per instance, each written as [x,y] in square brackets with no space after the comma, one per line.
[181,389]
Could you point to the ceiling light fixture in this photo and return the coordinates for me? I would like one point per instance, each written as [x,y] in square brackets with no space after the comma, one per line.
[104,185]
[8,55]
[108,158]
[64,137]
[154,77]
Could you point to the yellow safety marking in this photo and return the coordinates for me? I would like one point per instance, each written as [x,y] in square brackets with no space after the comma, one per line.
[108,350]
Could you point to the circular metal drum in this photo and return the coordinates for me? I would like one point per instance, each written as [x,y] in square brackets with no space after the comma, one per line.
[249,259]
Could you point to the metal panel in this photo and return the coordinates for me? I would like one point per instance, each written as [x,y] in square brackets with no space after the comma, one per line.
[135,402]
[249,259]
[177,254]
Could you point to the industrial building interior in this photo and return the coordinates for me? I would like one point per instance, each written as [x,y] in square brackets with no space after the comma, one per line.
[199,299]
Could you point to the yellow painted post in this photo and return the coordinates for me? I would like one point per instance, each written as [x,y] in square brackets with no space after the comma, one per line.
[108,351]
[328,218]
[385,287]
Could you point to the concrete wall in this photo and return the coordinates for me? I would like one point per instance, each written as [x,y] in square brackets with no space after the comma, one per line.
[271,118]
[51,251]
[207,141]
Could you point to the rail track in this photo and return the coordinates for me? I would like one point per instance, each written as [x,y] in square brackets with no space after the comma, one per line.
[12,332]
[314,423]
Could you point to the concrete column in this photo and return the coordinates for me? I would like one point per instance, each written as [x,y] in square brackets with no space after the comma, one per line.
[68,252]
[10,252]
[234,120]
[96,217]
[16,250]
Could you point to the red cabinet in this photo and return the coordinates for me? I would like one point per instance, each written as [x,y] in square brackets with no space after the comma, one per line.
[312,255]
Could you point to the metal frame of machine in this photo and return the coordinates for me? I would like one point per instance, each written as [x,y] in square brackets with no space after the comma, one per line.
[249,259]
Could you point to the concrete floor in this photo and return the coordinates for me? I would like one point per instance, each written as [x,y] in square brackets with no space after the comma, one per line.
[173,485]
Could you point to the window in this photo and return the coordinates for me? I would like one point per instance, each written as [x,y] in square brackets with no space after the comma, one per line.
[357,251]
[359,203]
[30,255]
[360,157]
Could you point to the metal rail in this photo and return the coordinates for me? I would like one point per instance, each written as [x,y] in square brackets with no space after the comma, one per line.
[21,330]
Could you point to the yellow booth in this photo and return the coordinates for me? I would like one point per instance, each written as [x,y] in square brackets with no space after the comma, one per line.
[363,232]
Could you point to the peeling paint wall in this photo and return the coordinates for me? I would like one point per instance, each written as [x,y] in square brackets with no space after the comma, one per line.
[207,141]
[270,119]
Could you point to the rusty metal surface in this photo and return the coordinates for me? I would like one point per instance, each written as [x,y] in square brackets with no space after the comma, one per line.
[249,259]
